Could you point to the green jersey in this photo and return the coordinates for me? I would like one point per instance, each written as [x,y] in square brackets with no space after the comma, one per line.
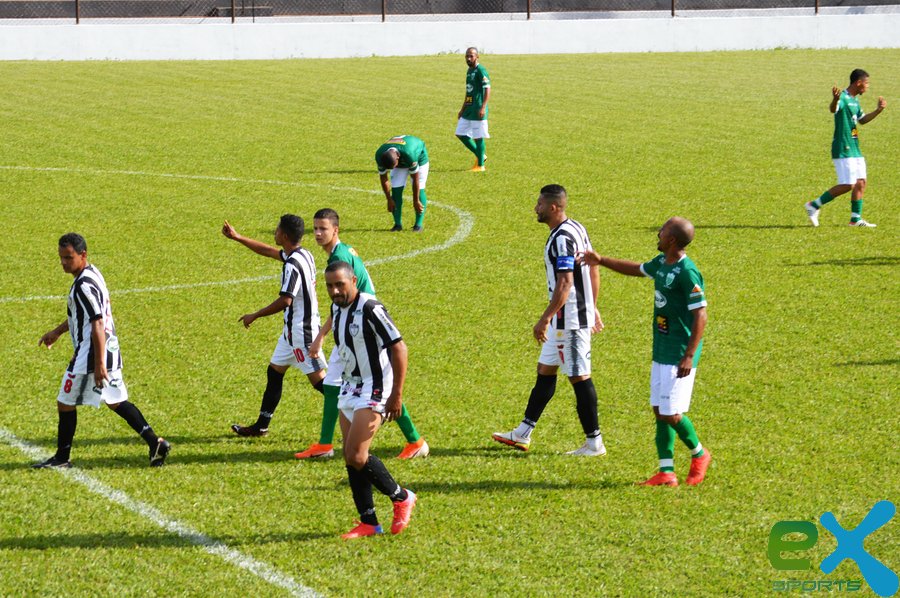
[344,253]
[477,81]
[846,127]
[412,152]
[679,291]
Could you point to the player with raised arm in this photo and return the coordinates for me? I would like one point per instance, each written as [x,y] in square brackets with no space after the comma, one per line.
[679,320]
[849,163]
[298,302]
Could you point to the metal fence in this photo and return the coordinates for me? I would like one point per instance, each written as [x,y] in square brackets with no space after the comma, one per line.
[385,10]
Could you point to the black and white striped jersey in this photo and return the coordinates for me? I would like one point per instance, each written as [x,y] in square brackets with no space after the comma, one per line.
[565,241]
[298,281]
[89,301]
[363,335]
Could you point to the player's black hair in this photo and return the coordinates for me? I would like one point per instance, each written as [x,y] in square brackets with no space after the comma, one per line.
[73,240]
[340,265]
[857,74]
[555,194]
[472,48]
[328,214]
[386,160]
[292,226]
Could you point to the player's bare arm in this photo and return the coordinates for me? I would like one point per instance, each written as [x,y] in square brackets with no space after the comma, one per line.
[98,340]
[628,268]
[882,104]
[386,187]
[697,328]
[836,96]
[417,203]
[252,244]
[487,96]
[276,307]
[595,287]
[399,362]
[48,338]
[564,282]
[317,343]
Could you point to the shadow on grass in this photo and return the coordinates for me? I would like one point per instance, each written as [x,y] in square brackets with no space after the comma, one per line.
[495,485]
[49,541]
[878,260]
[734,226]
[137,459]
[861,363]
[129,439]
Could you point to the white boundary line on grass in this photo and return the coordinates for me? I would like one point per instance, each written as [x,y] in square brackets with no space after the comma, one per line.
[466,223]
[214,547]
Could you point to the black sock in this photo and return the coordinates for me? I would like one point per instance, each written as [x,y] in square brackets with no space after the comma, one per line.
[381,478]
[320,386]
[130,413]
[362,495]
[586,405]
[65,432]
[541,394]
[271,398]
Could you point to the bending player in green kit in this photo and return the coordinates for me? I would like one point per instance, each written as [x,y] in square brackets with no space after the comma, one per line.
[326,224]
[398,158]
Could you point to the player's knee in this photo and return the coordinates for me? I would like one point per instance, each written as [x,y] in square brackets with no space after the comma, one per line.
[860,185]
[356,458]
[63,408]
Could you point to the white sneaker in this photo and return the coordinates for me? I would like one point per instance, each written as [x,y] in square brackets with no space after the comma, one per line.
[813,213]
[586,450]
[863,224]
[512,439]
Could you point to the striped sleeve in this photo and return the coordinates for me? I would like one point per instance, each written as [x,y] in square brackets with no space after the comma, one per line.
[290,278]
[382,323]
[564,254]
[90,298]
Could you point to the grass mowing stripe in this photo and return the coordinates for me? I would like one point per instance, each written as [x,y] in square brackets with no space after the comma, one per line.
[466,223]
[214,547]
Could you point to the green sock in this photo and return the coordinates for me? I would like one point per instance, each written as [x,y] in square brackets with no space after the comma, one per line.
[407,426]
[479,146]
[329,414]
[665,445]
[822,200]
[855,210]
[688,435]
[467,141]
[397,196]
[424,199]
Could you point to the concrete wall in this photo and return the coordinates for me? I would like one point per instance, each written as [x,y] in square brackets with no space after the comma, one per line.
[273,40]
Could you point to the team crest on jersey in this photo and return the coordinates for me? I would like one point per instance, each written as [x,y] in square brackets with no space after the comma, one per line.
[354,329]
[469,87]
[659,299]
[670,278]
[662,324]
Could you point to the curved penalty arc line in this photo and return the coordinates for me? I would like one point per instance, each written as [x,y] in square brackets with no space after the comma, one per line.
[466,224]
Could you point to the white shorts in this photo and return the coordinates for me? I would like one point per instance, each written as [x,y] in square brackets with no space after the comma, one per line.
[476,129]
[334,376]
[79,389]
[399,175]
[849,170]
[568,349]
[355,396]
[285,354]
[669,392]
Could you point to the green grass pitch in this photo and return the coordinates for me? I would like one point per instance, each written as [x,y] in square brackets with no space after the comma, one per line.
[796,394]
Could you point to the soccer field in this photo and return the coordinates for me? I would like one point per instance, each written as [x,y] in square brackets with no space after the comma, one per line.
[795,396]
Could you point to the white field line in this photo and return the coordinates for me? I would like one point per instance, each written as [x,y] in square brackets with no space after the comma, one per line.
[466,223]
[214,547]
